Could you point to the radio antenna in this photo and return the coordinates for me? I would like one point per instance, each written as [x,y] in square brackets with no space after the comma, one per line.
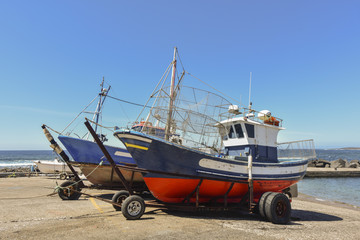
[250,103]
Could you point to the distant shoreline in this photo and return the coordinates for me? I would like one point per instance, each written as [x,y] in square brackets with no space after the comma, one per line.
[346,148]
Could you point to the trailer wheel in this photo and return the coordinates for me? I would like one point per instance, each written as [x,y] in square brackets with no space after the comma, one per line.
[278,208]
[133,207]
[66,191]
[262,204]
[119,198]
[63,176]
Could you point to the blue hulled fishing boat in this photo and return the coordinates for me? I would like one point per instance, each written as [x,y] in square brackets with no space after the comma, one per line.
[214,149]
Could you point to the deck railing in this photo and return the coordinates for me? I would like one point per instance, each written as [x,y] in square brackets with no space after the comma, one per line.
[297,150]
[250,114]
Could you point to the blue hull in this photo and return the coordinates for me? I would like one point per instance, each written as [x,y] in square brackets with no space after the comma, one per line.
[158,155]
[84,151]
[175,171]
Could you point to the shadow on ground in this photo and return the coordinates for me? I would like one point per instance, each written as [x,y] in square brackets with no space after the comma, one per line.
[303,215]
[296,215]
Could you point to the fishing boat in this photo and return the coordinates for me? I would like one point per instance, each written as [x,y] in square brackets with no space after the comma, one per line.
[89,157]
[208,153]
[93,164]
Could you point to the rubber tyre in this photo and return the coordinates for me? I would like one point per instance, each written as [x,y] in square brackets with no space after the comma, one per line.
[278,208]
[66,193]
[63,176]
[119,197]
[133,207]
[262,204]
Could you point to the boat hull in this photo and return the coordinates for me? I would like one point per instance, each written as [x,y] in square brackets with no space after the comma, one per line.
[175,171]
[106,176]
[84,151]
[175,190]
[54,167]
[88,155]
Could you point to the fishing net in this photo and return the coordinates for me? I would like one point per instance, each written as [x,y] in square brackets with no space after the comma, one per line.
[190,119]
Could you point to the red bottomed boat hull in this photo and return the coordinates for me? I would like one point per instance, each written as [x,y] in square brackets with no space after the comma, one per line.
[175,190]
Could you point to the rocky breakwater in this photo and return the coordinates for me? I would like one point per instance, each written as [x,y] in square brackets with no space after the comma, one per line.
[336,168]
[16,172]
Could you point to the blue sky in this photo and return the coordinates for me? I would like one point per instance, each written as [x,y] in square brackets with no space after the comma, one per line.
[304,57]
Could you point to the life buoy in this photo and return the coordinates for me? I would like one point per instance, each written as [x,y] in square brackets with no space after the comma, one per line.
[147,123]
[272,121]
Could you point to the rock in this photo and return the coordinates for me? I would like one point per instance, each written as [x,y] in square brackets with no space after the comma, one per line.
[320,163]
[312,163]
[355,161]
[15,169]
[339,163]
[353,165]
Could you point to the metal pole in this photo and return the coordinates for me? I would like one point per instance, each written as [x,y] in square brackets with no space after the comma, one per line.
[109,158]
[62,154]
[250,180]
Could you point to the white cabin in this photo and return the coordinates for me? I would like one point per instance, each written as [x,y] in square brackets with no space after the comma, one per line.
[259,134]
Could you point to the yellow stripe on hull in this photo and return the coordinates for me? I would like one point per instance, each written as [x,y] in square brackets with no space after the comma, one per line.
[136,146]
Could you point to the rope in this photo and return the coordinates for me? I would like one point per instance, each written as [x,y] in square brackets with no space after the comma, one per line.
[212,87]
[108,128]
[59,188]
[136,104]
[100,164]
[47,195]
[52,129]
[78,115]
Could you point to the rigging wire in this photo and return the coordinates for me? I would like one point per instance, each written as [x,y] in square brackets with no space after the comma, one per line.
[132,103]
[79,115]
[155,89]
[111,129]
[212,87]
[121,106]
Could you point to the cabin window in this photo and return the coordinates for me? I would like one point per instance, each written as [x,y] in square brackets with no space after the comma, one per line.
[235,131]
[224,132]
[232,133]
[239,131]
[137,128]
[250,130]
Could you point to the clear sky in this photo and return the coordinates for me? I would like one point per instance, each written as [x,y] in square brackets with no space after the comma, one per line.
[304,57]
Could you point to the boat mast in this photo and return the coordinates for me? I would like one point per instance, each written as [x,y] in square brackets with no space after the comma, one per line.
[102,97]
[98,107]
[172,96]
[250,103]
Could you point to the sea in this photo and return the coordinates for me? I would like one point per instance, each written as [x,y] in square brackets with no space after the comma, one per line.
[345,190]
[24,158]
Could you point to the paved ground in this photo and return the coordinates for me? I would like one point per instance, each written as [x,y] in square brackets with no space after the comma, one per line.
[26,212]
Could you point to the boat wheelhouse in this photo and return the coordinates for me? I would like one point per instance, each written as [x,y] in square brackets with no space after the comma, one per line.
[250,133]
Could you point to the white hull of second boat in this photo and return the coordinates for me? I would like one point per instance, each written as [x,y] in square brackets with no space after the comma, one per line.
[54,167]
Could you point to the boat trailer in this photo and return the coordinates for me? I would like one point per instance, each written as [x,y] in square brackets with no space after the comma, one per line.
[272,206]
[71,189]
